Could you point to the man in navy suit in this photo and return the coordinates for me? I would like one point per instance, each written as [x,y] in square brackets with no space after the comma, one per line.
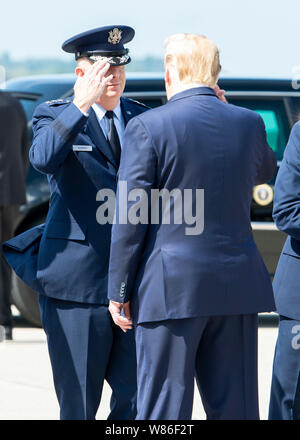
[189,274]
[77,143]
[285,389]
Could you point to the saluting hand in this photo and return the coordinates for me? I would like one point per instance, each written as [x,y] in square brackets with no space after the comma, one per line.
[90,85]
[124,322]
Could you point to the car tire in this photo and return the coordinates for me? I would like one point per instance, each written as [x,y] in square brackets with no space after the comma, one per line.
[26,301]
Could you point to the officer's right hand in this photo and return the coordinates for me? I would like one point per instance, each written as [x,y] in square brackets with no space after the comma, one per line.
[90,85]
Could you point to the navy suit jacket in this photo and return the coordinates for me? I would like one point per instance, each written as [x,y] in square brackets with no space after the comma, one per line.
[68,257]
[286,214]
[195,141]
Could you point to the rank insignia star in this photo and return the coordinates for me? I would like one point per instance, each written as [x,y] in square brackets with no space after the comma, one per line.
[114,36]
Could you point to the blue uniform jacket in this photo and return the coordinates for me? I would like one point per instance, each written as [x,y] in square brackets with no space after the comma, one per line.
[195,141]
[286,214]
[71,252]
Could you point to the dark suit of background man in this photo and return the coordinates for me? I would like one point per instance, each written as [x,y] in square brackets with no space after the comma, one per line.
[77,143]
[285,389]
[13,169]
[194,298]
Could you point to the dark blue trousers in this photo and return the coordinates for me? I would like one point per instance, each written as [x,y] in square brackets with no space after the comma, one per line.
[285,389]
[86,347]
[220,352]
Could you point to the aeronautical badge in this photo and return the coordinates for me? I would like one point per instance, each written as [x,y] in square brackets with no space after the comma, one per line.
[114,36]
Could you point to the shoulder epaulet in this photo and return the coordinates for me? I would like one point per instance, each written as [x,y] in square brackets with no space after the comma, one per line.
[58,101]
[138,103]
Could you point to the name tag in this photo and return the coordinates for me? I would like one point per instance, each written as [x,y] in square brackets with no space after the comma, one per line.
[82,148]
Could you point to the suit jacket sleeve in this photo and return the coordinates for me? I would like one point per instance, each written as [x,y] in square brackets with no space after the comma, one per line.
[137,171]
[53,135]
[286,211]
[269,162]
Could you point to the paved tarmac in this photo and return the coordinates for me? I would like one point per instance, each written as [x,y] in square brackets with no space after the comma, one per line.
[26,387]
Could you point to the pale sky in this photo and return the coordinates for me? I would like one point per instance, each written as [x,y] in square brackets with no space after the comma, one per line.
[255,37]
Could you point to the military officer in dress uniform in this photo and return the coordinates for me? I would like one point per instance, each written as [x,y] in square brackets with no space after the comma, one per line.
[285,389]
[194,294]
[77,143]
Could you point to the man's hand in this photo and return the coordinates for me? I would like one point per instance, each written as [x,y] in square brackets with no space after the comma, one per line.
[90,85]
[124,322]
[220,94]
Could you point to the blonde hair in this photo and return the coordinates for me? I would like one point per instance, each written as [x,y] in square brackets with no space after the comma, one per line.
[195,57]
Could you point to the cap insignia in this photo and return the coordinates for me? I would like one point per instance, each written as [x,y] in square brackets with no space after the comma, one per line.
[114,36]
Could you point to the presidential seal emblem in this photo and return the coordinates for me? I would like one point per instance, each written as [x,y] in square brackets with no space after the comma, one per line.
[114,36]
[263,194]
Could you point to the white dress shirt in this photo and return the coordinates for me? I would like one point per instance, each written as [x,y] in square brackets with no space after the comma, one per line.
[104,121]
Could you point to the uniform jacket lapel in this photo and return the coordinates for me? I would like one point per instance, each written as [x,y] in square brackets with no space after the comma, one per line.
[129,110]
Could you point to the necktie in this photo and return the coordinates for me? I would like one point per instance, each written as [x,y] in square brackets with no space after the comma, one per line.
[113,137]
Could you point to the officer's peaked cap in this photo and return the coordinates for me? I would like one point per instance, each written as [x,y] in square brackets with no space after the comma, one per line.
[105,42]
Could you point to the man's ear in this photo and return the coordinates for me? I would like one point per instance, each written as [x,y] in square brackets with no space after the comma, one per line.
[167,75]
[79,71]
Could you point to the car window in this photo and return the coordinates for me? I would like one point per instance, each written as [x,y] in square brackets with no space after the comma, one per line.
[40,94]
[28,106]
[294,103]
[275,119]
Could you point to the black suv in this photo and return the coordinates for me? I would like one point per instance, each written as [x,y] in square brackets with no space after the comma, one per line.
[274,99]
